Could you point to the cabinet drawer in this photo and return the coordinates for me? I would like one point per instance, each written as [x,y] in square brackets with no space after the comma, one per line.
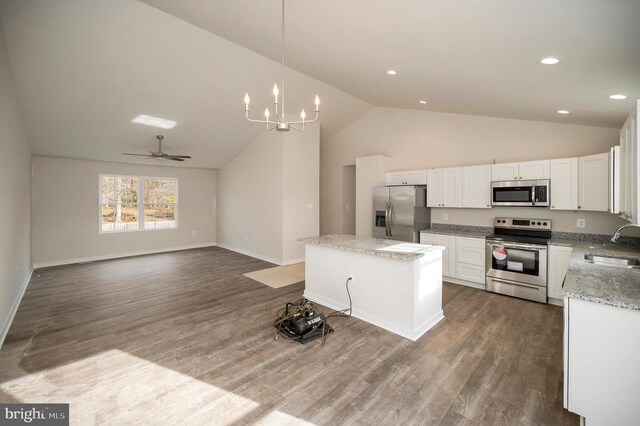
[473,273]
[470,251]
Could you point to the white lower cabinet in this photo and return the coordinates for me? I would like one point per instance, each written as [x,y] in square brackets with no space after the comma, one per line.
[463,257]
[601,368]
[449,253]
[557,264]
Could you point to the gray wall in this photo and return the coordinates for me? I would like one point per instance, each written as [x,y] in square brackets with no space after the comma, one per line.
[268,196]
[420,139]
[66,214]
[15,197]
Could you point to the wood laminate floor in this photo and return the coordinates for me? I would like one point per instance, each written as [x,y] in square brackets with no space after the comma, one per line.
[185,338]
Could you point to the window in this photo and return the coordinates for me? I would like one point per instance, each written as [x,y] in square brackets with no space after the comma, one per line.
[131,203]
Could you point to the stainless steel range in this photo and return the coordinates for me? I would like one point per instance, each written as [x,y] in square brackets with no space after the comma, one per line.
[516,258]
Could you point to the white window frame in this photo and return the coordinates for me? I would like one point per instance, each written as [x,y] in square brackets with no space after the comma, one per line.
[141,222]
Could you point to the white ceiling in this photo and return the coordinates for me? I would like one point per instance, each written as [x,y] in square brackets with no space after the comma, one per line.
[471,57]
[84,69]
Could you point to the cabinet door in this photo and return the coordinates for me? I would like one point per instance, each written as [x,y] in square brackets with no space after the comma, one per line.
[448,254]
[451,188]
[625,178]
[564,184]
[434,188]
[470,251]
[532,170]
[394,178]
[507,171]
[473,273]
[415,177]
[476,187]
[593,182]
[558,265]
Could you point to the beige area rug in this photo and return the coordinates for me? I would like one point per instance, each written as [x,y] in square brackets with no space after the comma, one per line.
[280,276]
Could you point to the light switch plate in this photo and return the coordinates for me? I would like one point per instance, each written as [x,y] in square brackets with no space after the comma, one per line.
[581,223]
[445,216]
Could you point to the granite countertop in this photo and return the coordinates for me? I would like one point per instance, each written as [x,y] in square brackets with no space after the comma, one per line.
[392,249]
[459,230]
[609,285]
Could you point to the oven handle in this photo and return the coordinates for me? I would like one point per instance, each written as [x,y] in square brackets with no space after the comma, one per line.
[521,246]
[536,287]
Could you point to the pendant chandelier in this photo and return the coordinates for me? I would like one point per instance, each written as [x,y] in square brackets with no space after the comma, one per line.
[281,125]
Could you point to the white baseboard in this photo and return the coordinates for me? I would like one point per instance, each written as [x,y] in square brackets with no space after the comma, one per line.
[293,261]
[119,255]
[253,254]
[14,308]
[463,282]
[377,321]
[557,302]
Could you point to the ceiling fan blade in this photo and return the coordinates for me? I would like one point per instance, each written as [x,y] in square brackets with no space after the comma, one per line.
[174,158]
[137,155]
[179,156]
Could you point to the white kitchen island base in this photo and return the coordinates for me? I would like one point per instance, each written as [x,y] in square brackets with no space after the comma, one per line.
[395,285]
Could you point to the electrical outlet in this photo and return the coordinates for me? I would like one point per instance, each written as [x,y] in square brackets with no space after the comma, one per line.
[445,216]
[352,278]
[581,223]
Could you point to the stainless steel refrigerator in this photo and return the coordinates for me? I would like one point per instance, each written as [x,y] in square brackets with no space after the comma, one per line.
[400,212]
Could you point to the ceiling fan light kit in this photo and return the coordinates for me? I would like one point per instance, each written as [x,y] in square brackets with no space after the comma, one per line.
[160,155]
[282,125]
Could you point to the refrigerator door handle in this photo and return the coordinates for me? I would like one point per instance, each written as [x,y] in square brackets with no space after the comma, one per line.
[389,222]
[386,220]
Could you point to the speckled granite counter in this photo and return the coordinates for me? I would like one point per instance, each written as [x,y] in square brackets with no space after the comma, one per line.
[601,284]
[458,230]
[386,248]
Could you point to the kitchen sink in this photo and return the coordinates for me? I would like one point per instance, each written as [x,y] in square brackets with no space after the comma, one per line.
[612,261]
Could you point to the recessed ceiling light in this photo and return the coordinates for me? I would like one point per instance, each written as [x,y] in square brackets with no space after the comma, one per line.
[422,102]
[563,111]
[149,120]
[618,97]
[549,60]
[392,72]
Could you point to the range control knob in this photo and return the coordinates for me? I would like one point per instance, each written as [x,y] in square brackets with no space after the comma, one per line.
[539,224]
[544,223]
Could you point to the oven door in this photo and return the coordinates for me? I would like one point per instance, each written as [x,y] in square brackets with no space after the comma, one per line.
[513,193]
[526,263]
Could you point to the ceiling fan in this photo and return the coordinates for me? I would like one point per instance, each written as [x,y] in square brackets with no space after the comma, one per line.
[159,154]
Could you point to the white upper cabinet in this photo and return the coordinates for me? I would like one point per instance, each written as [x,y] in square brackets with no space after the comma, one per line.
[593,182]
[533,170]
[444,187]
[476,187]
[530,170]
[629,161]
[411,177]
[506,171]
[564,184]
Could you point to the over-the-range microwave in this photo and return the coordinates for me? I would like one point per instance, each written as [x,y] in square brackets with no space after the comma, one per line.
[520,193]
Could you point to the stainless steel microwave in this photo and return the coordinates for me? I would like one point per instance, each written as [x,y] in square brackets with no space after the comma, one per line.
[520,193]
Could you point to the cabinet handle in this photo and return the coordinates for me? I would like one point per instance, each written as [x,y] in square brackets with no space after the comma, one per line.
[579,207]
[520,177]
[515,177]
[553,207]
[488,205]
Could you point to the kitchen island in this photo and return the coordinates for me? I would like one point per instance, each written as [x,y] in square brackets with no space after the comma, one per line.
[394,285]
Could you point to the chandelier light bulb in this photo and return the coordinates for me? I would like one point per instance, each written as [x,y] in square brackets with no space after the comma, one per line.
[276,92]
[303,115]
[266,113]
[317,102]
[246,101]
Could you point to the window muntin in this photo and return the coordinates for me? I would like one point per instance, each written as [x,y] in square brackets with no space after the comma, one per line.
[132,203]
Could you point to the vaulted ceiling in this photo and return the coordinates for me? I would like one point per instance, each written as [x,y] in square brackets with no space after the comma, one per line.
[84,69]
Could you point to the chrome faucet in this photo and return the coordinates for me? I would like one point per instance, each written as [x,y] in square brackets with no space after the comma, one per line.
[616,235]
